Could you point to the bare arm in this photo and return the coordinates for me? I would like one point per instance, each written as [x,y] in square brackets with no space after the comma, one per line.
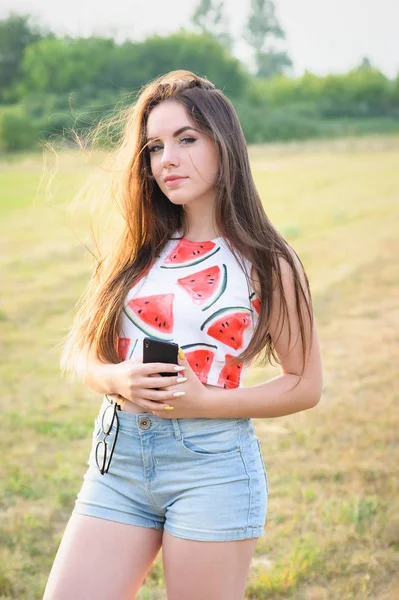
[276,397]
[100,376]
[136,382]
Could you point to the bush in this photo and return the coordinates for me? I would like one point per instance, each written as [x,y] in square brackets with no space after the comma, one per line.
[262,125]
[17,132]
[360,93]
[56,125]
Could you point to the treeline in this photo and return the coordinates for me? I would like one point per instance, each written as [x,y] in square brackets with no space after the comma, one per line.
[50,84]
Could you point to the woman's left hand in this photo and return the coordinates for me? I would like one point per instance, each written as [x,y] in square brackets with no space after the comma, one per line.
[195,402]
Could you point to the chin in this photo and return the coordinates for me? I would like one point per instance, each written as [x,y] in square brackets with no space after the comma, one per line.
[177,201]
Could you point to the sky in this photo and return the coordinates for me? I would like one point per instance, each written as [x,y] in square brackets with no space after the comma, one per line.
[322,36]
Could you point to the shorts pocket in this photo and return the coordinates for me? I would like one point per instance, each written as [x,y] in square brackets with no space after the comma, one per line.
[263,464]
[212,441]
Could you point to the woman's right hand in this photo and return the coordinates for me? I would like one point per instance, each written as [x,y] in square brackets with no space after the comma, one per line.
[138,383]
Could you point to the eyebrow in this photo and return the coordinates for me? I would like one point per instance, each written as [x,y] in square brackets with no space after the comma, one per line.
[176,133]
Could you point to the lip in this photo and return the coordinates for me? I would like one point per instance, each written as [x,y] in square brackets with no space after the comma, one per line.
[173,181]
[173,178]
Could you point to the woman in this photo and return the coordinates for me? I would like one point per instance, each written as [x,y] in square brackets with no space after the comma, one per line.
[175,462]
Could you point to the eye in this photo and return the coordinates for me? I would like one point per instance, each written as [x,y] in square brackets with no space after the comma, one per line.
[185,141]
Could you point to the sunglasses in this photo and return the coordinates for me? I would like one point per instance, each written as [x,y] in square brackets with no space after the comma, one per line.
[104,452]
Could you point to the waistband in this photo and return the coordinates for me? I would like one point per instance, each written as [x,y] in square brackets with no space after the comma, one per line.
[144,423]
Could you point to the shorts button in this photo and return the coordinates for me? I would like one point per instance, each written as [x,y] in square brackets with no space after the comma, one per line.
[144,423]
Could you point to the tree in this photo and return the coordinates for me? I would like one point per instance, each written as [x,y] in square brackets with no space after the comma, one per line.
[210,18]
[200,53]
[16,33]
[262,29]
[272,63]
[88,66]
[61,65]
[365,64]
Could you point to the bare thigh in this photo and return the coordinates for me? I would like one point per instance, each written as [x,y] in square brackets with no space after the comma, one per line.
[101,559]
[202,570]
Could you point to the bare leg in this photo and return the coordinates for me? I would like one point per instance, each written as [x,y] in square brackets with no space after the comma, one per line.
[101,559]
[203,570]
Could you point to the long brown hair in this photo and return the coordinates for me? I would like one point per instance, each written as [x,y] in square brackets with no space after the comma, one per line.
[150,220]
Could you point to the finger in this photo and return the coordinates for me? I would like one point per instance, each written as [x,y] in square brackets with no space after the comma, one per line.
[183,362]
[167,413]
[157,396]
[161,382]
[160,368]
[150,405]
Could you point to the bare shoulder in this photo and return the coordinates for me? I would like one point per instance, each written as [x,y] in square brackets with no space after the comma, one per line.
[286,272]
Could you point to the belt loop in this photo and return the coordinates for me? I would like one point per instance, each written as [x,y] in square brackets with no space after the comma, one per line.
[176,429]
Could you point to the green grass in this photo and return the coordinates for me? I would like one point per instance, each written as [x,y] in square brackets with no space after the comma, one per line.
[333,527]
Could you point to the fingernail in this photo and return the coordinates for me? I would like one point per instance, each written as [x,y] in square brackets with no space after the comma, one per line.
[169,408]
[181,379]
[178,368]
[176,394]
[181,353]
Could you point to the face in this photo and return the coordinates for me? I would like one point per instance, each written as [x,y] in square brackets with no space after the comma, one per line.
[178,149]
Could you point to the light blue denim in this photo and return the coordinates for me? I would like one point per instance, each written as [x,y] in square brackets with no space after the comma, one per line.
[199,479]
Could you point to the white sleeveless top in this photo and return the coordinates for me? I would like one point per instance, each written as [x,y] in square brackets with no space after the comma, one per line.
[196,295]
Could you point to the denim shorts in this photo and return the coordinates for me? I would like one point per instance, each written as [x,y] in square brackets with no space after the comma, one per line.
[199,479]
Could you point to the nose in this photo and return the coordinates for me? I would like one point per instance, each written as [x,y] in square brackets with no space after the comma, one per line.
[169,156]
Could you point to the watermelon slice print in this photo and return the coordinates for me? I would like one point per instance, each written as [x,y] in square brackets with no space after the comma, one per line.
[123,347]
[153,315]
[227,325]
[126,348]
[230,375]
[255,302]
[206,286]
[200,358]
[186,254]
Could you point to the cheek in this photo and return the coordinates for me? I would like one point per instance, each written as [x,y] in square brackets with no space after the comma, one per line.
[156,167]
[209,166]
[200,161]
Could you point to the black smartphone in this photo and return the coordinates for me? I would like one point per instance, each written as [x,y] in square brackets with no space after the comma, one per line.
[160,351]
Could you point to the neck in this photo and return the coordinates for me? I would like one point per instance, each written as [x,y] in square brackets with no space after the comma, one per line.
[200,222]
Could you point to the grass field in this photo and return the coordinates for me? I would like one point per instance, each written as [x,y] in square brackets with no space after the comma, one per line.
[333,518]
